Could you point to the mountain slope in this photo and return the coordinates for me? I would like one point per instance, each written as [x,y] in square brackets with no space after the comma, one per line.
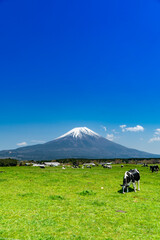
[77,143]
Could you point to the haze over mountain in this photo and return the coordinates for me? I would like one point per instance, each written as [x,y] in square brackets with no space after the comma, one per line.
[78,143]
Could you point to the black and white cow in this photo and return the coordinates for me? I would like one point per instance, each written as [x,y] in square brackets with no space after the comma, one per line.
[131,176]
[154,168]
[107,166]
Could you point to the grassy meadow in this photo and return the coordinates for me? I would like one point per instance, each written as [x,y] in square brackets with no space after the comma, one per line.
[77,204]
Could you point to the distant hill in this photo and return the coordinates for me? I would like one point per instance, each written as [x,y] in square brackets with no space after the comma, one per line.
[77,143]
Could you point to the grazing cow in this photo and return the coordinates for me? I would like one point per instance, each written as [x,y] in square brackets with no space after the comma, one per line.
[131,176]
[154,168]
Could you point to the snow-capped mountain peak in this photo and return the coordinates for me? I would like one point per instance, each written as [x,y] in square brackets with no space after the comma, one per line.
[78,143]
[79,132]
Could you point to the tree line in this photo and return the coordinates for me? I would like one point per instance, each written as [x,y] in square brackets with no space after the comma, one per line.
[8,162]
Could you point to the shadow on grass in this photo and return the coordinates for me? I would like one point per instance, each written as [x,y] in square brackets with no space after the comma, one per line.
[25,194]
[129,190]
[3,180]
[87,193]
[56,197]
[98,203]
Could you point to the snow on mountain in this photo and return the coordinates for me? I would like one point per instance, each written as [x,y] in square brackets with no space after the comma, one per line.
[79,132]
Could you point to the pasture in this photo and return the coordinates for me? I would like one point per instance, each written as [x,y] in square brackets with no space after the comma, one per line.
[77,204]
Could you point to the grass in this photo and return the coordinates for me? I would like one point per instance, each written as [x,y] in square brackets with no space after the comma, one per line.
[77,204]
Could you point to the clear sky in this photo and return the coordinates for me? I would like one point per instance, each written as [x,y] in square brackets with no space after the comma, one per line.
[66,64]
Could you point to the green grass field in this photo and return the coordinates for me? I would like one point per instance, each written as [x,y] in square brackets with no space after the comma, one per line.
[52,203]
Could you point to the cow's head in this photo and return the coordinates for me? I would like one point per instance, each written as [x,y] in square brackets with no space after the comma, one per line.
[125,183]
[124,187]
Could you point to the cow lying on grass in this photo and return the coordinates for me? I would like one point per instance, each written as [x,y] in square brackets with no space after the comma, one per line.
[131,176]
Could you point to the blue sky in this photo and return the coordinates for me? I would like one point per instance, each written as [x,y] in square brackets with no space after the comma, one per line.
[65,64]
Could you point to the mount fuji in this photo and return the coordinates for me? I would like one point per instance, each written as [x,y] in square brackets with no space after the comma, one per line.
[78,143]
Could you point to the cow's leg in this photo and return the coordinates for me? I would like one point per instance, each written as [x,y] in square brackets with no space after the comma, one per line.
[127,189]
[134,185]
[139,185]
[123,189]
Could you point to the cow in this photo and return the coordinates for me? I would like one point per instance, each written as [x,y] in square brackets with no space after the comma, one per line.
[154,168]
[145,165]
[131,176]
[106,166]
[122,166]
[109,167]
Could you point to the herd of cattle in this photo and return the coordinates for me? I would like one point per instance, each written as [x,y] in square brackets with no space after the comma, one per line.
[130,177]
